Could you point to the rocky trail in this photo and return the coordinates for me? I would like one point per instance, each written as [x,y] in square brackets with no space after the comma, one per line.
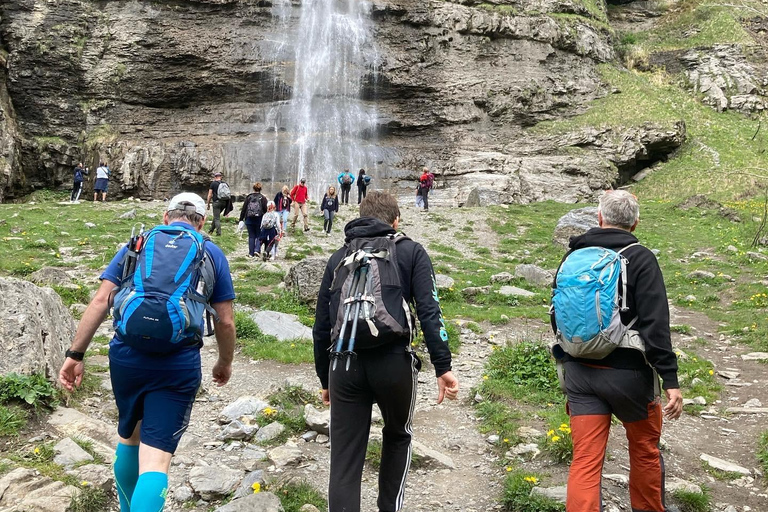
[460,469]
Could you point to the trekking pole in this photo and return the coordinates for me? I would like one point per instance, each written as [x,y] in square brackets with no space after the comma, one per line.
[358,301]
[347,307]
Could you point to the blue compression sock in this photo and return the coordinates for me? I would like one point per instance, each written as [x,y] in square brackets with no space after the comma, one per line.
[150,492]
[126,469]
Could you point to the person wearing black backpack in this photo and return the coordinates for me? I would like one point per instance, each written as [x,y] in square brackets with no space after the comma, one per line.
[154,357]
[219,196]
[368,299]
[363,180]
[254,208]
[77,184]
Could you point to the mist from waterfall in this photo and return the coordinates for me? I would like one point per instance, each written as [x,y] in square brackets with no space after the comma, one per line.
[326,127]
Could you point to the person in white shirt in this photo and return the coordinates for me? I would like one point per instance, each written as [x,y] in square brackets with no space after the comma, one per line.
[102,181]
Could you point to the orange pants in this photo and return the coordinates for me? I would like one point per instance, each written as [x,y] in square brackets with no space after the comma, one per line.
[590,407]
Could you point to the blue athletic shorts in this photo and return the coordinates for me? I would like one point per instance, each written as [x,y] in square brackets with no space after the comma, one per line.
[161,399]
[101,185]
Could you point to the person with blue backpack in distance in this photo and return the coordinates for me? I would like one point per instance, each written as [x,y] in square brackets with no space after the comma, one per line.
[611,320]
[362,336]
[163,284]
[345,179]
[77,184]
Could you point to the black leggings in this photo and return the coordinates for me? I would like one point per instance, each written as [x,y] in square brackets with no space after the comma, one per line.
[345,188]
[77,187]
[386,375]
[361,191]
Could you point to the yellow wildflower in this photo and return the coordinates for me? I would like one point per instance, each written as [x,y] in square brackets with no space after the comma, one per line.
[563,425]
[85,483]
[508,469]
[37,451]
[506,440]
[550,433]
[485,377]
[555,439]
[531,479]
[711,372]
[256,487]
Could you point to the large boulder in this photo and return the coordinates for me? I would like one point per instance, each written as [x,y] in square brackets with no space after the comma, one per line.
[35,328]
[50,276]
[305,277]
[260,502]
[25,489]
[283,326]
[574,223]
[534,274]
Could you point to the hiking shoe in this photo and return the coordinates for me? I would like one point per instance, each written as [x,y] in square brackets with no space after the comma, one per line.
[306,229]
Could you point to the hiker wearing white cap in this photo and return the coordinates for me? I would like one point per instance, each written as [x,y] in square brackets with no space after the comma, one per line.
[161,284]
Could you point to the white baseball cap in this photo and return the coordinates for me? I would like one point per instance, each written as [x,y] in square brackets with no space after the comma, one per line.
[179,200]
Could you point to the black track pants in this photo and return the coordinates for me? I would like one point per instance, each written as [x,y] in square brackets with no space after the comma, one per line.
[388,376]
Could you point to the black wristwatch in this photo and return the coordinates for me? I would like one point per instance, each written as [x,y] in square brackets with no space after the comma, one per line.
[77,356]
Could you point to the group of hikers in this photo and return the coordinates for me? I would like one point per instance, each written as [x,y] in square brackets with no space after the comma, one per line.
[99,186]
[613,344]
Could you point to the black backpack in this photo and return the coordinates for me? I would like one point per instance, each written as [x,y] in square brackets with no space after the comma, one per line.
[367,297]
[254,208]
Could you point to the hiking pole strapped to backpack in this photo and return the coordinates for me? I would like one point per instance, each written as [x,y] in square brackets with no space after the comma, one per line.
[354,299]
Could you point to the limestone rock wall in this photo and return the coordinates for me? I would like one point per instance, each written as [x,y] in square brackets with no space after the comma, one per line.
[167,92]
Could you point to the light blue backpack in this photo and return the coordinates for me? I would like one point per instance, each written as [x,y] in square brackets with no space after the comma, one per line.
[590,294]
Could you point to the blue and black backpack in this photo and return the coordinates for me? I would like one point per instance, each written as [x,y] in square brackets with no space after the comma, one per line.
[167,282]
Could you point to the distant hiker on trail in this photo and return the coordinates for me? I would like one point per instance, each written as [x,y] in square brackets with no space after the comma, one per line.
[271,231]
[283,205]
[426,181]
[219,195]
[102,182]
[626,304]
[300,198]
[346,179]
[363,180]
[254,208]
[154,356]
[382,366]
[77,184]
[329,206]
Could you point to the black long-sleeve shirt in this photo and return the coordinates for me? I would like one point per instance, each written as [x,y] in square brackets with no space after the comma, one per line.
[646,300]
[419,289]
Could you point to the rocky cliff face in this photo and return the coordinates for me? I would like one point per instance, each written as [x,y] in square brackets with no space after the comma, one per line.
[169,91]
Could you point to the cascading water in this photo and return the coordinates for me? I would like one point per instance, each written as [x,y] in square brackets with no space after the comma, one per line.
[325,127]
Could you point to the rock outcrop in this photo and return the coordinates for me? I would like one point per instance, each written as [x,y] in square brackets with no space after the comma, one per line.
[35,328]
[168,92]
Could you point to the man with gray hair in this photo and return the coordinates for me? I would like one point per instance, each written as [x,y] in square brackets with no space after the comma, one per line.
[625,381]
[154,357]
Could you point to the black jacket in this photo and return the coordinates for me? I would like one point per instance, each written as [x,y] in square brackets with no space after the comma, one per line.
[419,289]
[646,299]
[333,207]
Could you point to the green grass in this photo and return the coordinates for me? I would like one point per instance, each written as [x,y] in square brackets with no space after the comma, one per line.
[690,501]
[681,329]
[33,390]
[295,494]
[696,367]
[723,476]
[281,300]
[12,420]
[498,418]
[373,453]
[289,403]
[558,442]
[654,97]
[762,451]
[517,494]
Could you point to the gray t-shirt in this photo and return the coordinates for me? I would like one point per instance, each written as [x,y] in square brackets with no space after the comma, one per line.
[102,172]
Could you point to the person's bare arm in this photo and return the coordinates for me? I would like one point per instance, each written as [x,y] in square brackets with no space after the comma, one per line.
[225,338]
[208,200]
[71,373]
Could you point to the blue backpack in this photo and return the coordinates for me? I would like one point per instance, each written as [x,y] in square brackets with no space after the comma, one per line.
[167,282]
[587,302]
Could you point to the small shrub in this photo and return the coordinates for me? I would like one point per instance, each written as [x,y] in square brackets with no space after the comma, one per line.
[246,328]
[682,328]
[689,501]
[294,495]
[517,495]
[474,327]
[523,371]
[498,418]
[35,390]
[89,499]
[559,443]
[12,420]
[762,451]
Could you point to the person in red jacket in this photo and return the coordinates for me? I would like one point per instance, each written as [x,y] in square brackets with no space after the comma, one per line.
[300,197]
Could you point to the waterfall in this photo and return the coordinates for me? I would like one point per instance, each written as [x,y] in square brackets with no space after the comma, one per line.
[326,127]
